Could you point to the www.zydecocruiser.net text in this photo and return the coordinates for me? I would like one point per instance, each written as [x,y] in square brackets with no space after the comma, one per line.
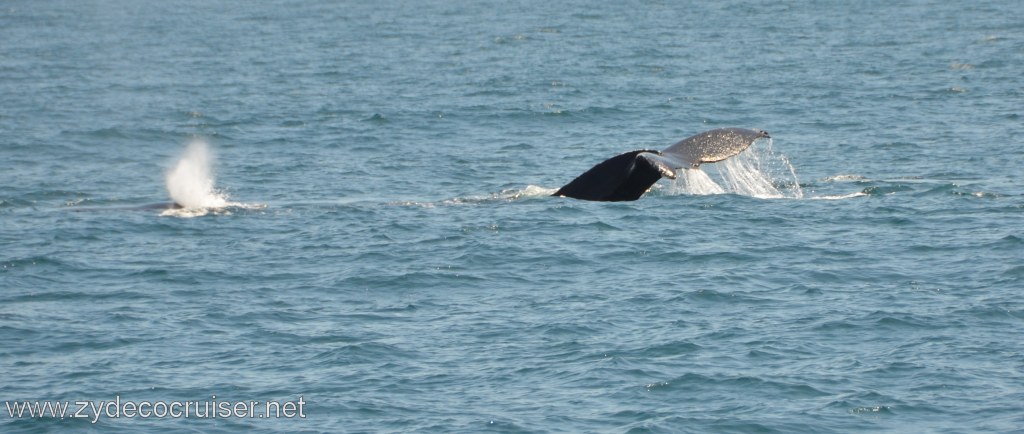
[118,408]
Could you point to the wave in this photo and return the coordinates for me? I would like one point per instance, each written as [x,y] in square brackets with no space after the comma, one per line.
[507,195]
[228,209]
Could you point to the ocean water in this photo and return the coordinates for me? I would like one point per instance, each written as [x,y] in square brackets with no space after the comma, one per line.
[369,228]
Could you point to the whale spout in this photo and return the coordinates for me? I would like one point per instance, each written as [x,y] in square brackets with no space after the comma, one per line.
[628,176]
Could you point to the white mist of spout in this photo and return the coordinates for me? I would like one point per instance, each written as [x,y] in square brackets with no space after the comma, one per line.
[190,181]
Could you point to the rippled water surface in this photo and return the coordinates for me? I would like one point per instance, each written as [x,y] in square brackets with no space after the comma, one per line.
[369,226]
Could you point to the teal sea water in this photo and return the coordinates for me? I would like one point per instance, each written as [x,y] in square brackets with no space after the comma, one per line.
[371,228]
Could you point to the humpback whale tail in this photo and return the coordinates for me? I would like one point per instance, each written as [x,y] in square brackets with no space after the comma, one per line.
[628,176]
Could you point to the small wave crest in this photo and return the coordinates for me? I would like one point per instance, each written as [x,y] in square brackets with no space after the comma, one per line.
[840,196]
[228,209]
[522,193]
[507,195]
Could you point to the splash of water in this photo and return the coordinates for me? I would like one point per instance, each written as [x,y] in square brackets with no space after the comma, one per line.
[696,181]
[756,172]
[746,177]
[191,182]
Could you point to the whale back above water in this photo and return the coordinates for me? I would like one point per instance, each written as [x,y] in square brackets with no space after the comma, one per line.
[629,175]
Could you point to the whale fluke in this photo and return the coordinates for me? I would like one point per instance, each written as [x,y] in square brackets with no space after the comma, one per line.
[622,177]
[628,176]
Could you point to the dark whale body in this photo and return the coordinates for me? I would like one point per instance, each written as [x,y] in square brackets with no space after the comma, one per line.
[155,206]
[628,176]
